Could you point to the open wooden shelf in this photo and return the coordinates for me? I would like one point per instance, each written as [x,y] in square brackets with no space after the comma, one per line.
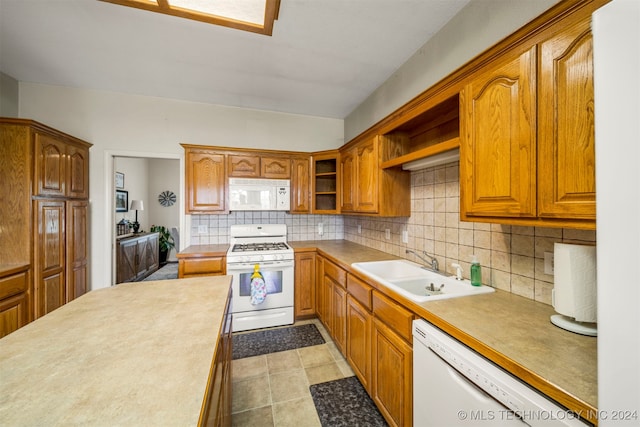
[438,148]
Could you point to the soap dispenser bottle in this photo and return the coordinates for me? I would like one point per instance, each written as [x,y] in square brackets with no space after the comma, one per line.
[476,272]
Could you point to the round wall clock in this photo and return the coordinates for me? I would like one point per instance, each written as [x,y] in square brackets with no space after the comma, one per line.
[167,198]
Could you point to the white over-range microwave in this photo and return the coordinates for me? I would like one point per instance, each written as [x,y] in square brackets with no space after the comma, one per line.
[256,194]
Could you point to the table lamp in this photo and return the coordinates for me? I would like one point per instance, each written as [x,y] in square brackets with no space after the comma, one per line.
[136,205]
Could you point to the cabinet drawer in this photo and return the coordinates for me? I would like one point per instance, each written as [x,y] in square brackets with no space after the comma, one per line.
[13,285]
[336,273]
[395,316]
[360,291]
[202,267]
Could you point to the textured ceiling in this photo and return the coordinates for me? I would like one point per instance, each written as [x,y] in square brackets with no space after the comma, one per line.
[324,58]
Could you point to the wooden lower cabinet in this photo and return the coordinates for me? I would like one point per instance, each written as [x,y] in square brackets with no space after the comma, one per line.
[373,332]
[216,411]
[14,299]
[304,285]
[202,266]
[136,257]
[332,302]
[358,351]
[392,375]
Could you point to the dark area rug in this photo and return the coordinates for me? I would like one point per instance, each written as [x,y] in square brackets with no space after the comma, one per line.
[345,403]
[273,340]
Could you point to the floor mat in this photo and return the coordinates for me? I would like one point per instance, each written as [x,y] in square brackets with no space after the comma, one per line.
[274,340]
[345,403]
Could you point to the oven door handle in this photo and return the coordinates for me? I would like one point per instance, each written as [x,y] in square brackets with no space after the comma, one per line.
[245,266]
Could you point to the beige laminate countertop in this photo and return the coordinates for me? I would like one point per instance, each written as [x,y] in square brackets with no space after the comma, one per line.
[133,354]
[197,251]
[513,331]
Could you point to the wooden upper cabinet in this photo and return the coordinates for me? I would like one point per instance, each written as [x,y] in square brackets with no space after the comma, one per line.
[256,166]
[325,182]
[244,166]
[62,168]
[300,186]
[348,175]
[77,172]
[275,167]
[366,188]
[367,168]
[566,137]
[206,181]
[498,140]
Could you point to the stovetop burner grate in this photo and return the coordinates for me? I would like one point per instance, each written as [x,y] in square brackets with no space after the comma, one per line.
[255,247]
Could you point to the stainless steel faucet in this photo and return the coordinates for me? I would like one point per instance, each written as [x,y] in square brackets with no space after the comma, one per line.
[431,260]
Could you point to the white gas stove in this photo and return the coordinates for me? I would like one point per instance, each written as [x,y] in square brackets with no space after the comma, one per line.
[264,245]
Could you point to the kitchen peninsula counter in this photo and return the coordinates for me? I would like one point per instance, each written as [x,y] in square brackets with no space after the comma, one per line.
[132,354]
[513,331]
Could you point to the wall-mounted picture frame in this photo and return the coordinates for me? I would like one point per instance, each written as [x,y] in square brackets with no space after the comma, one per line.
[122,201]
[119,180]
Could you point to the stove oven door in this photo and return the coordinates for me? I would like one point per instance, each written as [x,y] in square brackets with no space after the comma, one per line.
[277,307]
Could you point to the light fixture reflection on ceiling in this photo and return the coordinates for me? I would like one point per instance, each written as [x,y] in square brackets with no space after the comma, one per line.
[256,16]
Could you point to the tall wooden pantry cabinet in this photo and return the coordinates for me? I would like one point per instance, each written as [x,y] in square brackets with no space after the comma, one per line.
[44,214]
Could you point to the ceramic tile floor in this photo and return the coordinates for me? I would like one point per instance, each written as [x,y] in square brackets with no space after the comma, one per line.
[273,389]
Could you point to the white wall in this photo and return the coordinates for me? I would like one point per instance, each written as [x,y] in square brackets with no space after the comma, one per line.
[136,184]
[478,26]
[140,126]
[164,175]
[8,96]
[617,108]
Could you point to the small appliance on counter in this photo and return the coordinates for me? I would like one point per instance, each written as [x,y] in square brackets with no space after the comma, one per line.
[574,293]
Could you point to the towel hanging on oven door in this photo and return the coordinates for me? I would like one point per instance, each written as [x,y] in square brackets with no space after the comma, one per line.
[258,286]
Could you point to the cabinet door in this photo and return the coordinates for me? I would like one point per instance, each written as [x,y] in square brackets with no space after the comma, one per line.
[347,176]
[321,302]
[77,172]
[127,261]
[498,137]
[359,341]
[206,181]
[275,167]
[49,256]
[339,316]
[14,302]
[566,137]
[77,250]
[391,370]
[305,285]
[244,166]
[13,313]
[148,253]
[50,166]
[300,186]
[367,177]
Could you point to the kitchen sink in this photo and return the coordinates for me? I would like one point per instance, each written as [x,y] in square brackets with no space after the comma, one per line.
[415,282]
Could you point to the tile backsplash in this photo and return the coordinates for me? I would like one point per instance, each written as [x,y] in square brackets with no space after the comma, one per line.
[512,257]
[299,227]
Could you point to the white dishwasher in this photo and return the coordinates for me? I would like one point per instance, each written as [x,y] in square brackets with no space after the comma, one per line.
[455,386]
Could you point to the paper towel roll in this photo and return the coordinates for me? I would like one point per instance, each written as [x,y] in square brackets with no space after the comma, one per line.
[575,293]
